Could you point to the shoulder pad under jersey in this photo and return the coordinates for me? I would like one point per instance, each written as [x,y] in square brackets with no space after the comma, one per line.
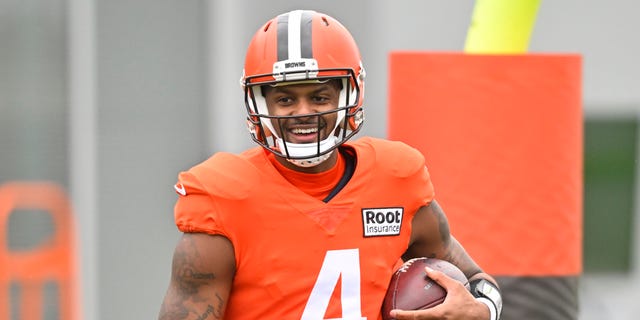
[227,175]
[399,158]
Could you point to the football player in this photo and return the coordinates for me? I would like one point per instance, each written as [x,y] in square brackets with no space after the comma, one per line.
[310,224]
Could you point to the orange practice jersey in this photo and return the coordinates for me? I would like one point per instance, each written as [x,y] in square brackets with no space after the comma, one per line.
[298,257]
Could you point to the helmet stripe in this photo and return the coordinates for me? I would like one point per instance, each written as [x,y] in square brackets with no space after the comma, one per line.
[294,35]
[283,37]
[306,23]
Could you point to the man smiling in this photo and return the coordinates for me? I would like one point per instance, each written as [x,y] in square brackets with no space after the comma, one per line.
[310,224]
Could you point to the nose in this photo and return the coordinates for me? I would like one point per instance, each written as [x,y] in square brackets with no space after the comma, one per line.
[305,107]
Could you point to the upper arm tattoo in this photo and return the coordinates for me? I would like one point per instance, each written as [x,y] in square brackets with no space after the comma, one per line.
[443,223]
[187,281]
[453,250]
[184,271]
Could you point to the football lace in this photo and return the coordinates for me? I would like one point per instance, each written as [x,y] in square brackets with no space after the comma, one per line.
[408,264]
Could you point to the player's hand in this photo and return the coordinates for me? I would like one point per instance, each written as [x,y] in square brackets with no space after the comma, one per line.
[459,303]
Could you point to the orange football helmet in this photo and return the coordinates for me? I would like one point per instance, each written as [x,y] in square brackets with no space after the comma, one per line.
[303,46]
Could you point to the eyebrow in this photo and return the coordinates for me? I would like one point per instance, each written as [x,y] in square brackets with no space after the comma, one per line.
[284,89]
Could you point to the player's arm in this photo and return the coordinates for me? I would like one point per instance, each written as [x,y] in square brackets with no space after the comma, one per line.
[431,237]
[201,276]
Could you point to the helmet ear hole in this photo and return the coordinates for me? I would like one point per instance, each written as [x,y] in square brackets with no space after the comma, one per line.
[352,124]
[255,128]
[355,121]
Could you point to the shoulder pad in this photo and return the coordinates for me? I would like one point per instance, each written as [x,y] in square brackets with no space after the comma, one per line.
[226,175]
[399,158]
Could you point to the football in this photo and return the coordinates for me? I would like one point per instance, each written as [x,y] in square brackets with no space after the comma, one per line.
[411,289]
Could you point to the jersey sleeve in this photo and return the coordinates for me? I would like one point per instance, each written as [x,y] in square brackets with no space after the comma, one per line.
[212,193]
[194,210]
[418,179]
[424,185]
[408,165]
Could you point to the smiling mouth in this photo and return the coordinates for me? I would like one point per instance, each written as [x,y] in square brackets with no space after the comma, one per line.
[304,131]
[303,135]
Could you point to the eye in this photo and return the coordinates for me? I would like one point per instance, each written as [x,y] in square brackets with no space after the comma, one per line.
[327,94]
[321,98]
[284,100]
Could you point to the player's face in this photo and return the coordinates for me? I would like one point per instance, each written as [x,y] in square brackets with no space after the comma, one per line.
[299,100]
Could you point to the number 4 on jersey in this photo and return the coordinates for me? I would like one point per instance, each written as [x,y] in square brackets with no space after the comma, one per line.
[337,263]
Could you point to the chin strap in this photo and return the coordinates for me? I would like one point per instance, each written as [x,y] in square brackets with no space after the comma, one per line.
[311,162]
[489,294]
[302,154]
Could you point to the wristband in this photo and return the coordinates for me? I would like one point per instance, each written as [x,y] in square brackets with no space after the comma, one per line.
[492,308]
[487,292]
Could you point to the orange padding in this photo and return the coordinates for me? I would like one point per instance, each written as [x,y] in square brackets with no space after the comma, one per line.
[502,135]
[53,261]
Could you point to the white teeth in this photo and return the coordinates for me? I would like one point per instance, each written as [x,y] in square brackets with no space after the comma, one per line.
[304,131]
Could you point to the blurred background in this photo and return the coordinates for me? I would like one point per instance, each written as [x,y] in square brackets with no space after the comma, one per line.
[102,103]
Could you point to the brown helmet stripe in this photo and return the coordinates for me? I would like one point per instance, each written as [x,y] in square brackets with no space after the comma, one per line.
[294,35]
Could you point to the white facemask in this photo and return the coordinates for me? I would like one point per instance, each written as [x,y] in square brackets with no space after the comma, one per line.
[305,149]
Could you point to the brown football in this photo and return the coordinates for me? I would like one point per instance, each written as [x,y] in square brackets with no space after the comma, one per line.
[411,289]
